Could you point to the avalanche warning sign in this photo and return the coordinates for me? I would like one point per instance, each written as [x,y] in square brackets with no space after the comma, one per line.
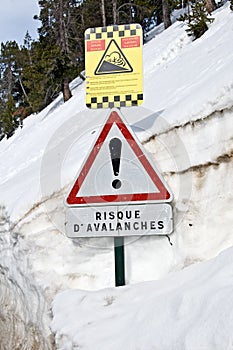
[113,60]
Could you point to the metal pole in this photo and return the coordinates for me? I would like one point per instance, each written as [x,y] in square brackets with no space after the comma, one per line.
[119,261]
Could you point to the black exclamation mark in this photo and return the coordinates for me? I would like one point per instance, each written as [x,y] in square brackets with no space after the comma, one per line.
[115,151]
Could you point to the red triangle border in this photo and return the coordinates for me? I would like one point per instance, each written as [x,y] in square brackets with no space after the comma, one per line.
[162,196]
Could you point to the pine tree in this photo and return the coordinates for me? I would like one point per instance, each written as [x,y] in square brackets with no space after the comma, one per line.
[10,121]
[2,107]
[197,20]
[11,92]
[137,11]
[143,13]
[41,76]
[231,5]
[8,67]
[63,23]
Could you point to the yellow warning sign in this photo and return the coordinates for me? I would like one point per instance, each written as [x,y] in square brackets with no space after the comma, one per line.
[113,63]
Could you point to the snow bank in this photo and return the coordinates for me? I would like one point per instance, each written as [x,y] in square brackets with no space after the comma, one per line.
[23,314]
[189,310]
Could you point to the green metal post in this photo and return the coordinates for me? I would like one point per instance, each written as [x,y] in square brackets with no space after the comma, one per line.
[119,261]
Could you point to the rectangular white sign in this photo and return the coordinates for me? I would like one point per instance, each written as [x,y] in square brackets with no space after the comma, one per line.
[128,220]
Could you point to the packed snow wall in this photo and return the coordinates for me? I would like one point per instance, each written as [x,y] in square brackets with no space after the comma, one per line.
[23,307]
[196,161]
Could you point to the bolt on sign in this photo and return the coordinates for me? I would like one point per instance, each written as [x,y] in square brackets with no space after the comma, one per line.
[113,64]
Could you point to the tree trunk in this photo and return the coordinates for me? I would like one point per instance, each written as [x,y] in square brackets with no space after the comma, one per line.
[103,13]
[24,92]
[166,14]
[210,5]
[66,90]
[9,80]
[159,13]
[114,11]
[62,35]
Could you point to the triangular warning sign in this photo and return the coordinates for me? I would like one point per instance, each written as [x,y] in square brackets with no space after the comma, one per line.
[113,61]
[117,170]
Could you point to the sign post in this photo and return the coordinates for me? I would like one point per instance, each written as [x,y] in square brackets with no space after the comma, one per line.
[114,79]
[118,191]
[119,256]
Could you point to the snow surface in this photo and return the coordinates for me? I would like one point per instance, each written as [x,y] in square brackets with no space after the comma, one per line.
[190,309]
[186,125]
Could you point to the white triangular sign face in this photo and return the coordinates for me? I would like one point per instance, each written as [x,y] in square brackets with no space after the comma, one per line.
[117,171]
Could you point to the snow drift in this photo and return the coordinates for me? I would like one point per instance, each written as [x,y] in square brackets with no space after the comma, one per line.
[189,310]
